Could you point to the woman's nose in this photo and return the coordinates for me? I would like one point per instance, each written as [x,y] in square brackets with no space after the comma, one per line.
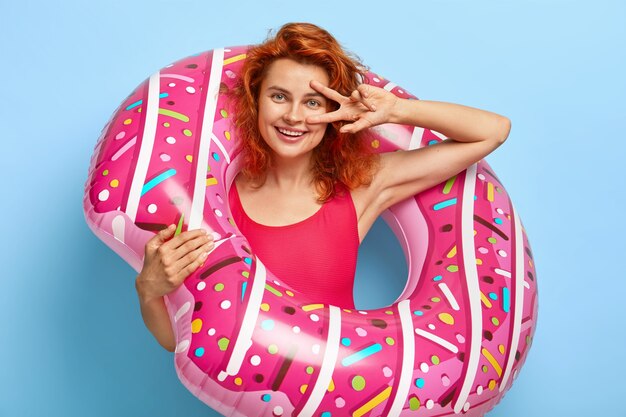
[293,114]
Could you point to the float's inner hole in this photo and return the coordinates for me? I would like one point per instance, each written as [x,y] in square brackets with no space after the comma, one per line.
[382,269]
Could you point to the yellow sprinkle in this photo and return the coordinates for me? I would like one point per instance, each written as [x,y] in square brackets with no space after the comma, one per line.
[189,158]
[375,143]
[331,386]
[196,326]
[128,121]
[114,183]
[479,261]
[446,318]
[389,312]
[227,135]
[303,388]
[452,252]
[224,113]
[492,384]
[485,300]
[234,59]
[492,361]
[369,406]
[489,191]
[311,307]
[166,124]
[289,293]
[211,181]
[238,381]
[501,349]
[265,307]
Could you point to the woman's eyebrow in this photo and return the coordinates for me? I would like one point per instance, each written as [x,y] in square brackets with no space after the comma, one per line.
[282,90]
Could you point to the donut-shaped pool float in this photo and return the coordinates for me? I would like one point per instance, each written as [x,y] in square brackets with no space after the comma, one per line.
[247,344]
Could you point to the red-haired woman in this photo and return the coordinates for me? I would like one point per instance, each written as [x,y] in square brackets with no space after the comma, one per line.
[309,191]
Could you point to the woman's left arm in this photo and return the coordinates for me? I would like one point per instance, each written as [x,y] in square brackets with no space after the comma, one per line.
[472,134]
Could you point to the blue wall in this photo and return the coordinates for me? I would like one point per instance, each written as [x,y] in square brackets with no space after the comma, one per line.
[73,342]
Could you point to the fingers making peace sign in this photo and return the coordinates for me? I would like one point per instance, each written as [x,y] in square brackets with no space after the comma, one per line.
[367,106]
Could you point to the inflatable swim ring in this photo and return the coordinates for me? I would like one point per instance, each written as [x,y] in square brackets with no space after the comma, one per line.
[247,344]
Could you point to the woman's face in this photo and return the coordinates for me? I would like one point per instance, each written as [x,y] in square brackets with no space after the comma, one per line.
[286,99]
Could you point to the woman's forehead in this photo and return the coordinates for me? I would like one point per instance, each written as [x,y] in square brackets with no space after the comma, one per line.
[289,74]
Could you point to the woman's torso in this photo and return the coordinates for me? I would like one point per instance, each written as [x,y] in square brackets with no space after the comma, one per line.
[315,255]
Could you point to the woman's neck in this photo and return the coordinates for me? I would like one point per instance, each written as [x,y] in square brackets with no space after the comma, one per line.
[290,174]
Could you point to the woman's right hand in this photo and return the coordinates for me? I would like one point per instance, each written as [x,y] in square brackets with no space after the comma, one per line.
[170,259]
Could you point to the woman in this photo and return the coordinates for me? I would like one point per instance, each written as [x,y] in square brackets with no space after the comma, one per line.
[301,116]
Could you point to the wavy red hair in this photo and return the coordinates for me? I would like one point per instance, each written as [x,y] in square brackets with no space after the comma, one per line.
[340,157]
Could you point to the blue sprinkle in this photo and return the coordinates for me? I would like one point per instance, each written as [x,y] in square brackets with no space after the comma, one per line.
[506,299]
[215,156]
[419,383]
[267,325]
[199,352]
[326,414]
[266,397]
[244,285]
[432,142]
[493,296]
[248,261]
[346,341]
[444,204]
[438,278]
[498,220]
[418,313]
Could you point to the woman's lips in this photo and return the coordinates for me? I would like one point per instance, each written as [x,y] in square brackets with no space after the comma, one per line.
[290,135]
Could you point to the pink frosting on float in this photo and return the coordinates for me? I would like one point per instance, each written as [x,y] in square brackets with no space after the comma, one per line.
[247,344]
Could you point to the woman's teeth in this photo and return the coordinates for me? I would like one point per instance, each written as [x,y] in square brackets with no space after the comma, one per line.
[290,133]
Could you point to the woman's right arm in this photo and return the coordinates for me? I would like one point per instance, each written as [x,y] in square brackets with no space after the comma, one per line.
[168,261]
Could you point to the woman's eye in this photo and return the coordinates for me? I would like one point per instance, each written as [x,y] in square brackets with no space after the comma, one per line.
[278,96]
[314,103]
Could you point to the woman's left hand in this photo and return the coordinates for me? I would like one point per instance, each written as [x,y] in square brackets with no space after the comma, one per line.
[367,106]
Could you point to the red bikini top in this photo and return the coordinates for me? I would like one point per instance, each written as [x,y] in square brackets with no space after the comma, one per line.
[316,256]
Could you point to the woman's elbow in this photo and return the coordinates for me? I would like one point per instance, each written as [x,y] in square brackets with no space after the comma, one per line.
[504,128]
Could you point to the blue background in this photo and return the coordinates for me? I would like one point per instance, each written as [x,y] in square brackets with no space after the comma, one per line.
[72,340]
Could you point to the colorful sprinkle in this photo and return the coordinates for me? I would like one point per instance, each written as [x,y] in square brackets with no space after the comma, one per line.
[444,204]
[449,184]
[199,352]
[187,132]
[414,403]
[196,326]
[362,354]
[174,114]
[376,400]
[358,383]
[419,383]
[157,180]
[506,299]
[223,343]
[446,318]
[346,341]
